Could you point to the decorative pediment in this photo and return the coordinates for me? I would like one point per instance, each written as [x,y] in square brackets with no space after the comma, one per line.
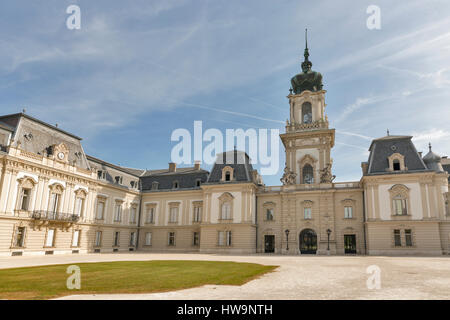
[81,193]
[399,189]
[269,204]
[348,202]
[307,203]
[27,182]
[56,188]
[60,152]
[307,159]
[226,196]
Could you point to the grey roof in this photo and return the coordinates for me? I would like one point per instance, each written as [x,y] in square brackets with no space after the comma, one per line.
[41,136]
[380,149]
[239,161]
[433,161]
[186,177]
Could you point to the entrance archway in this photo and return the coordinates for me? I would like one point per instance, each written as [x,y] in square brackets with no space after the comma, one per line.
[308,241]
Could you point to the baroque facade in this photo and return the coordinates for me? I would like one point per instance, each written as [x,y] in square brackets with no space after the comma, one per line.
[55,199]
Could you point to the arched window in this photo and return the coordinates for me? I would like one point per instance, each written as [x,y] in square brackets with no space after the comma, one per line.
[227,176]
[308,174]
[400,200]
[226,211]
[306,112]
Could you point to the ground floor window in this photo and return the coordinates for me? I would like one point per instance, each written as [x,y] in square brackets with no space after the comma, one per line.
[148,239]
[98,238]
[132,239]
[171,241]
[269,243]
[116,239]
[19,237]
[50,240]
[196,241]
[350,243]
[397,238]
[76,238]
[408,238]
[224,238]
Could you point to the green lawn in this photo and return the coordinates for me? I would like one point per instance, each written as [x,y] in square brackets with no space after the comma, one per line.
[124,277]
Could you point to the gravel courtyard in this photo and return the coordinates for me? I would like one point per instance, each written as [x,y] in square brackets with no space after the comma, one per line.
[298,277]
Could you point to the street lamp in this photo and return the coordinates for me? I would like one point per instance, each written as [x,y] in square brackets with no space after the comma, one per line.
[328,247]
[287,239]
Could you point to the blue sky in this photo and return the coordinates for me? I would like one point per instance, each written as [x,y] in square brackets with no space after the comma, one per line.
[137,70]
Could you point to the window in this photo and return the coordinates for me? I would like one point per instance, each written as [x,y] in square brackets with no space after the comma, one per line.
[98,238]
[76,238]
[132,239]
[118,212]
[148,239]
[227,176]
[198,182]
[119,179]
[101,174]
[150,218]
[227,173]
[175,185]
[197,213]
[408,238]
[308,174]
[269,214]
[54,203]
[173,214]
[196,240]
[25,199]
[50,240]
[20,237]
[399,206]
[79,204]
[155,185]
[397,238]
[171,239]
[307,112]
[133,214]
[396,165]
[224,238]
[100,209]
[116,241]
[348,212]
[226,211]
[308,214]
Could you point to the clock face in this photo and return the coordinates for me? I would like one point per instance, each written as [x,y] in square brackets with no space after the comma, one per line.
[61,155]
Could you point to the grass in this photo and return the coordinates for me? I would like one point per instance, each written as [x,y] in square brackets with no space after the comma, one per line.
[46,282]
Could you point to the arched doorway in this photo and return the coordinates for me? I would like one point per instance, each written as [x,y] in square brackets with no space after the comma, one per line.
[308,241]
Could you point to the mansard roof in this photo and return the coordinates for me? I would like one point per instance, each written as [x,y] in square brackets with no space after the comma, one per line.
[382,148]
[239,161]
[185,177]
[36,136]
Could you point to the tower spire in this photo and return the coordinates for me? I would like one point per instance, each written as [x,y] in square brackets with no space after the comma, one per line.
[306,64]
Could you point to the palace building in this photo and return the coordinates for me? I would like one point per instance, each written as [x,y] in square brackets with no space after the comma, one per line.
[55,199]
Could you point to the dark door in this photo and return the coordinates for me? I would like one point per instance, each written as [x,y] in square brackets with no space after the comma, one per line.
[350,243]
[308,242]
[269,243]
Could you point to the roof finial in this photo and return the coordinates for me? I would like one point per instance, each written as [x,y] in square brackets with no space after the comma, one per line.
[387,132]
[306,64]
[429,146]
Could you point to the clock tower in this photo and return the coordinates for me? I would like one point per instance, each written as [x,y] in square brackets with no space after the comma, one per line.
[308,139]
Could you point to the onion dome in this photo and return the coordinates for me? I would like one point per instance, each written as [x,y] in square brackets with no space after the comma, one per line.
[307,79]
[433,160]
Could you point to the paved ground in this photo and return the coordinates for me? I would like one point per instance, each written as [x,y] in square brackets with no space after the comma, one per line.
[298,277]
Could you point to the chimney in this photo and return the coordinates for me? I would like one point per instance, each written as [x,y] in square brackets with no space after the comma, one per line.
[172,167]
[197,165]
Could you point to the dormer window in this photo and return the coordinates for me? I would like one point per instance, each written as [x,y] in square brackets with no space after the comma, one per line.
[155,185]
[396,165]
[198,182]
[175,185]
[227,174]
[101,174]
[119,179]
[396,162]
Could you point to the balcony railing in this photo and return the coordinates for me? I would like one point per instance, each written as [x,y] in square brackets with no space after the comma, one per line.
[54,216]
